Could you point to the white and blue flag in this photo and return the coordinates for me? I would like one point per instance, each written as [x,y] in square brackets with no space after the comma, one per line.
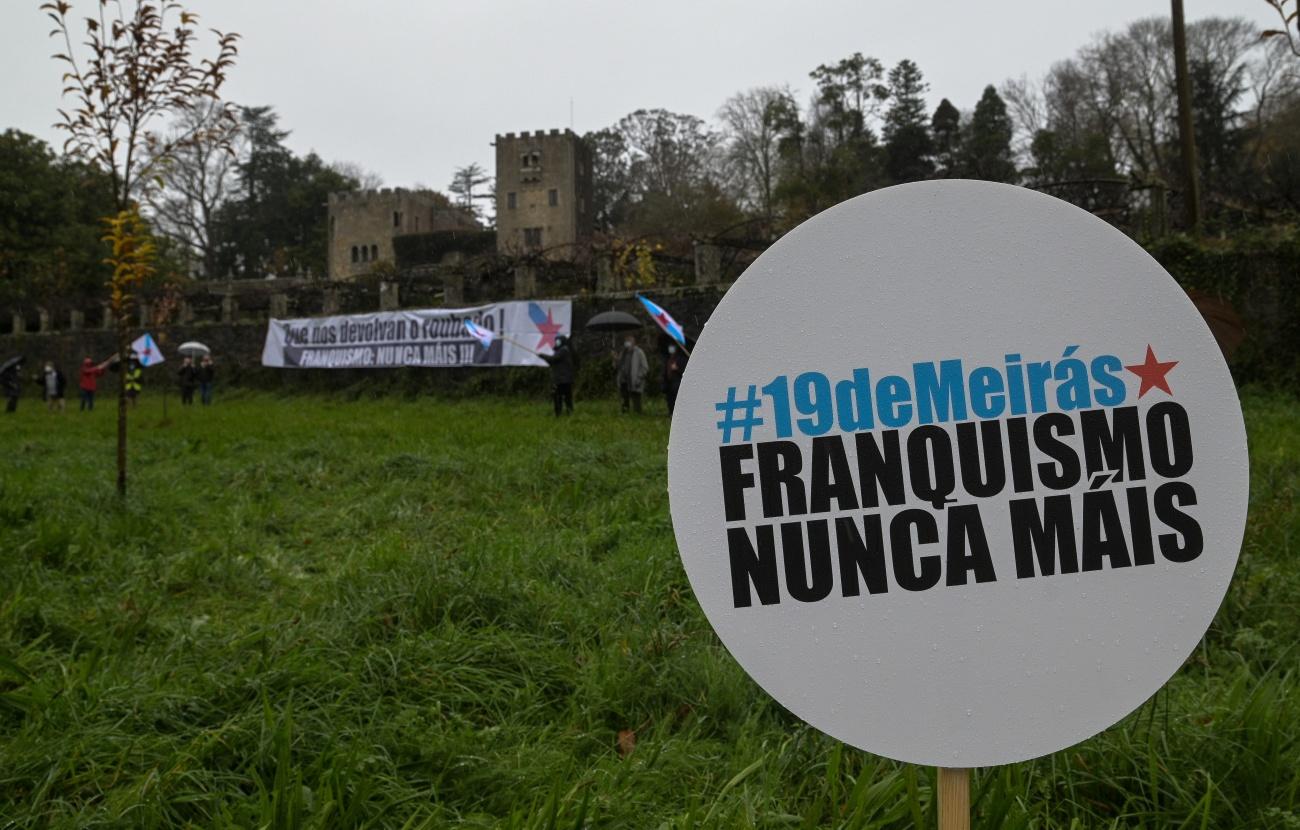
[482,335]
[146,350]
[665,321]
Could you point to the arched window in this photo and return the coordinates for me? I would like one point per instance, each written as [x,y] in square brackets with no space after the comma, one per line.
[374,253]
[355,254]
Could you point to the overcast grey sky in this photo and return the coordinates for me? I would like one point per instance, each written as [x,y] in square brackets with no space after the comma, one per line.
[413,88]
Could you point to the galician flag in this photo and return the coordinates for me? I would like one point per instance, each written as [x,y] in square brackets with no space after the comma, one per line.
[482,335]
[664,320]
[146,351]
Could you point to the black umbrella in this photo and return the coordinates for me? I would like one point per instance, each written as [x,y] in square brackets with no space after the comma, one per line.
[613,321]
[11,363]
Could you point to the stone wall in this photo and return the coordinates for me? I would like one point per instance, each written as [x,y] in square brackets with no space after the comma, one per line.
[231,317]
[237,343]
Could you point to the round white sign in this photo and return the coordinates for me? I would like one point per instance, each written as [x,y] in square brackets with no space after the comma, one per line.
[958,473]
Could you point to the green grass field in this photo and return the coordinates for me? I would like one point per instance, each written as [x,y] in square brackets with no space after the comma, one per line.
[312,612]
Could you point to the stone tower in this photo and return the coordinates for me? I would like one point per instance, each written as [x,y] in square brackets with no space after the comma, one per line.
[543,193]
[362,225]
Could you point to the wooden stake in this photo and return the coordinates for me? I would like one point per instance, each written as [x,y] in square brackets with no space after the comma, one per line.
[954,799]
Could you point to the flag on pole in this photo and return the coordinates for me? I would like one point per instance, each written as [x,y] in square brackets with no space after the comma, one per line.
[146,351]
[664,320]
[482,335]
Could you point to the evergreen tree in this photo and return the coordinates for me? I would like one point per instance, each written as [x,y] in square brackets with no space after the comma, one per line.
[277,225]
[945,131]
[51,211]
[908,149]
[988,140]
[1215,93]
[467,185]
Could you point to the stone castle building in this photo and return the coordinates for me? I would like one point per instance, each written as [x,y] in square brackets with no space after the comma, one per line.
[362,225]
[543,193]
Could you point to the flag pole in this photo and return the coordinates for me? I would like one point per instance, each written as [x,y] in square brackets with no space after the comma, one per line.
[520,345]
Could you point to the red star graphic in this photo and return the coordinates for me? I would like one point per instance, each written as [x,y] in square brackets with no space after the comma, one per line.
[1153,373]
[548,331]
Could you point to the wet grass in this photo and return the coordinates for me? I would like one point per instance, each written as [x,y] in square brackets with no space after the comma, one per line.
[383,613]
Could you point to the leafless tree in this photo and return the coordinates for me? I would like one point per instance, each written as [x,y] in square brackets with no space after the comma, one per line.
[1028,113]
[1121,86]
[366,179]
[195,179]
[671,153]
[751,123]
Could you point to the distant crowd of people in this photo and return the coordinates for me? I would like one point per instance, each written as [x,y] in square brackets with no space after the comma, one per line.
[191,377]
[630,371]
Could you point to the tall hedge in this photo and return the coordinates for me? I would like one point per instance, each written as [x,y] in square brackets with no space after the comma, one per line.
[1258,272]
[429,248]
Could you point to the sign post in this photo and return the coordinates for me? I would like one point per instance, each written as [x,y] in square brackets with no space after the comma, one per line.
[958,475]
[954,799]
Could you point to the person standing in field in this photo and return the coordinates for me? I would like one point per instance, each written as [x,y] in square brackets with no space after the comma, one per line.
[53,384]
[206,374]
[632,369]
[89,382]
[189,380]
[563,365]
[11,383]
[674,366]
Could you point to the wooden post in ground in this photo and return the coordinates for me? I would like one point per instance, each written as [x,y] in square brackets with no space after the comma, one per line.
[954,799]
[1186,128]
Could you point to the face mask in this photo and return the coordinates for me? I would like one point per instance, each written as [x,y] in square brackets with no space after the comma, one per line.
[672,350]
[627,344]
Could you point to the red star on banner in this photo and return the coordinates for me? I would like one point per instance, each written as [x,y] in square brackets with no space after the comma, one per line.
[1153,373]
[548,331]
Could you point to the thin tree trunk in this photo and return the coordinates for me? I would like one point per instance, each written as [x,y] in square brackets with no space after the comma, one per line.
[123,333]
[1186,130]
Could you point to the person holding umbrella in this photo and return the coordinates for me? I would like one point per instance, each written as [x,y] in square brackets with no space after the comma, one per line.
[203,373]
[632,369]
[188,375]
[11,382]
[629,371]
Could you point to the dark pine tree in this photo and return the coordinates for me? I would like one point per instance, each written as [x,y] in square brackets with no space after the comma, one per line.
[945,132]
[988,140]
[908,149]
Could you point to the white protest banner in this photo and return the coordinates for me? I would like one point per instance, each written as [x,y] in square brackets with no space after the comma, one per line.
[432,337]
[958,473]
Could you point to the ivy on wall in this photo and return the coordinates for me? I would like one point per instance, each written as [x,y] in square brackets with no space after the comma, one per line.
[429,248]
[1258,273]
